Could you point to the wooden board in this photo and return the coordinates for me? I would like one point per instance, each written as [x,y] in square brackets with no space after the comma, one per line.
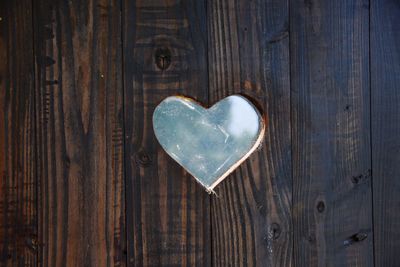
[84,182]
[18,213]
[80,132]
[332,213]
[164,54]
[385,91]
[249,54]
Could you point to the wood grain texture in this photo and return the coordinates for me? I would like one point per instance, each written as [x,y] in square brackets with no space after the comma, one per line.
[164,54]
[80,132]
[332,220]
[83,181]
[18,211]
[385,92]
[249,54]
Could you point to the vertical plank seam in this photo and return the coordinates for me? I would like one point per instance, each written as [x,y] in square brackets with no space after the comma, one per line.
[109,125]
[35,134]
[124,176]
[291,128]
[370,133]
[210,221]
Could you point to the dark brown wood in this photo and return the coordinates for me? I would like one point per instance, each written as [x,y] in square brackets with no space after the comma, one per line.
[249,54]
[164,54]
[385,101]
[83,181]
[80,132]
[18,211]
[332,223]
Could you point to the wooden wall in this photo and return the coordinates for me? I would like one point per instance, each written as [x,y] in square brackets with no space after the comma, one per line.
[83,181]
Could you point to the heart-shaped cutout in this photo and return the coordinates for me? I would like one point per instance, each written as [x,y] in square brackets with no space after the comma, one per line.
[208,143]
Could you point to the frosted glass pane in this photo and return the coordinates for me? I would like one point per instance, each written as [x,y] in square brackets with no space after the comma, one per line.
[208,143]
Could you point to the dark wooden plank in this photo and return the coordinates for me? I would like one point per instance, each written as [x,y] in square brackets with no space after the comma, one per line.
[167,211]
[249,54]
[331,133]
[80,132]
[385,106]
[18,209]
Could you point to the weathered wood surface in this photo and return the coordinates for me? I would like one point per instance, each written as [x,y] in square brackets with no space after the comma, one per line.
[83,181]
[164,54]
[80,133]
[18,211]
[249,54]
[332,207]
[385,110]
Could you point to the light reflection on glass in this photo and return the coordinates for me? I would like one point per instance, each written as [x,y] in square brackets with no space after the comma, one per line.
[208,143]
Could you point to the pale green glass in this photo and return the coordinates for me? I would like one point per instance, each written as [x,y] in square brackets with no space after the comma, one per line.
[208,143]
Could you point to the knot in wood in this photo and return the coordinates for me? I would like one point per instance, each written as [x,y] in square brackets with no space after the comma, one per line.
[32,243]
[163,58]
[275,231]
[358,237]
[143,158]
[46,61]
[67,162]
[321,206]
